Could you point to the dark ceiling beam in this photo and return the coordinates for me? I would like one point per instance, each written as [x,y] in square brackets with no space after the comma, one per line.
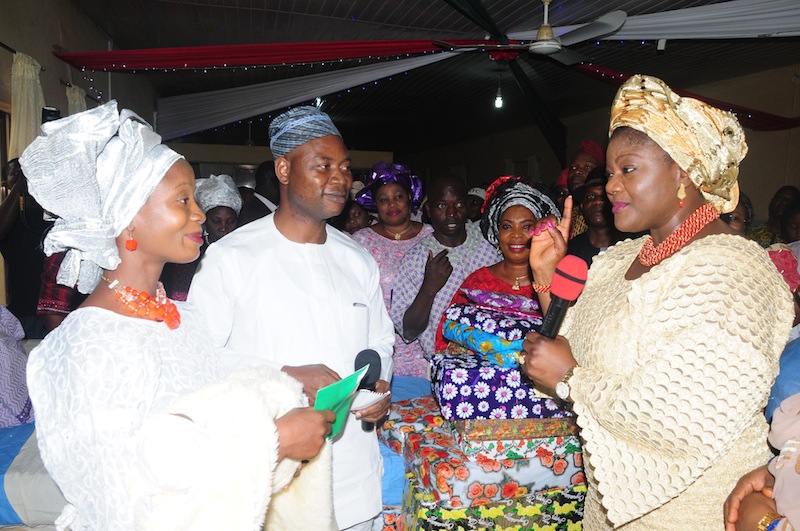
[553,130]
[476,12]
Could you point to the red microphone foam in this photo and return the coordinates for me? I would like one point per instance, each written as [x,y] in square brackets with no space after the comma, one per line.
[569,278]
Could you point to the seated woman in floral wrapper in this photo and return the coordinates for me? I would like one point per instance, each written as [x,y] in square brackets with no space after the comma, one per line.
[668,354]
[511,211]
[135,421]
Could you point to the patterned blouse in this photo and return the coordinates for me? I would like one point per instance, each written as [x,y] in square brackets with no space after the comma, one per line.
[408,360]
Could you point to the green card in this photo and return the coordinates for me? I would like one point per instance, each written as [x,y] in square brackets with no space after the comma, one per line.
[338,397]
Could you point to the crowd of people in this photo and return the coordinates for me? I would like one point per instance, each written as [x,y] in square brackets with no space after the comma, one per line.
[192,323]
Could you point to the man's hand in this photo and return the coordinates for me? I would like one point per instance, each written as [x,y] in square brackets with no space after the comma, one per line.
[437,271]
[313,378]
[302,432]
[378,410]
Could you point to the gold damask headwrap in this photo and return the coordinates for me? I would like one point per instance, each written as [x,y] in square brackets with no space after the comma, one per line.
[706,142]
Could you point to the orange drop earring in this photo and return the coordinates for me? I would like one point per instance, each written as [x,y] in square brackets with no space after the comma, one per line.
[130,243]
[681,195]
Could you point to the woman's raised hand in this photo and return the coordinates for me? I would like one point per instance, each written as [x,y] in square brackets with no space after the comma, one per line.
[549,244]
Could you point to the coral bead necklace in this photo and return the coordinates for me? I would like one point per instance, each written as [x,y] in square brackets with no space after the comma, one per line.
[651,254]
[141,304]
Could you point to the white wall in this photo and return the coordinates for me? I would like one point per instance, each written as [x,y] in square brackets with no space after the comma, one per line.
[37,28]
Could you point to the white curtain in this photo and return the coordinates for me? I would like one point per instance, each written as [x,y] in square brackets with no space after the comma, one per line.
[27,101]
[738,19]
[76,100]
[182,115]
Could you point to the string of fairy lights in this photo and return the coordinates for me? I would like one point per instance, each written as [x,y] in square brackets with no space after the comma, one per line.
[97,94]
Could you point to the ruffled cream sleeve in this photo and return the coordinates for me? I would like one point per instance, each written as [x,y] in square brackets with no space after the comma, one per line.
[674,365]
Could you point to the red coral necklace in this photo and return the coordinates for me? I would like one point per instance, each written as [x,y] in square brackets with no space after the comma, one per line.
[141,304]
[651,254]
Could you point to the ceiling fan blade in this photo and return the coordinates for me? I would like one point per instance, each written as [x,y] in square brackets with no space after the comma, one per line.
[568,57]
[489,47]
[608,23]
[456,47]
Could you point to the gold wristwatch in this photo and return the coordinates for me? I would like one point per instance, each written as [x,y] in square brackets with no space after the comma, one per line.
[562,387]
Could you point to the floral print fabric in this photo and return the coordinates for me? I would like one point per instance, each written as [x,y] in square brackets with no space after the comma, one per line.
[490,430]
[456,481]
[447,483]
[519,448]
[493,321]
[496,350]
[549,510]
[484,290]
[471,387]
[417,415]
[504,301]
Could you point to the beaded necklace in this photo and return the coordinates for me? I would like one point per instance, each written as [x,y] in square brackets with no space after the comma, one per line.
[141,304]
[651,254]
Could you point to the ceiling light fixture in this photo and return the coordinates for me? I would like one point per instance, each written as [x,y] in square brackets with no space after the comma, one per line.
[498,100]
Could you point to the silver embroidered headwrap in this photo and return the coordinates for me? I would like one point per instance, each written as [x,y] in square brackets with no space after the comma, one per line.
[297,126]
[216,191]
[509,191]
[706,142]
[94,170]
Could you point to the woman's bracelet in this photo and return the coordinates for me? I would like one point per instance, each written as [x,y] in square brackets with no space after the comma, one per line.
[769,522]
[541,288]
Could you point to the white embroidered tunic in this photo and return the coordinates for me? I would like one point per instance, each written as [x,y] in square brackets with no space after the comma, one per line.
[277,302]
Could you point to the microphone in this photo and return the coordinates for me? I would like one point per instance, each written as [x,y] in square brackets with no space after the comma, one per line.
[371,377]
[568,282]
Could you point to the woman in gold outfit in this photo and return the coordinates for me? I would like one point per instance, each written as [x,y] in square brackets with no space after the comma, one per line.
[668,355]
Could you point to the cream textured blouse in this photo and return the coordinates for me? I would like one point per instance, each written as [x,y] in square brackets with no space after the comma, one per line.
[675,369]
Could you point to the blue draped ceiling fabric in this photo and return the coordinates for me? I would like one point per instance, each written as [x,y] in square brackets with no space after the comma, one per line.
[181,115]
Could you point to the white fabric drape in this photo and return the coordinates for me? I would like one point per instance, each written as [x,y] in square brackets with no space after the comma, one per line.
[738,19]
[27,101]
[76,100]
[182,115]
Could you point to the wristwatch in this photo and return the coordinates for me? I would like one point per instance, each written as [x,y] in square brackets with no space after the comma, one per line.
[562,387]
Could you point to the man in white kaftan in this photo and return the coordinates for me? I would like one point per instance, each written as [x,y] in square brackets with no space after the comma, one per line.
[290,291]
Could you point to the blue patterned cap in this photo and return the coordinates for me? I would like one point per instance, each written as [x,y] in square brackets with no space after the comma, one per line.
[297,126]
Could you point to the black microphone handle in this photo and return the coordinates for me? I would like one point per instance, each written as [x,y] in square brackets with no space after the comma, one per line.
[554,317]
[367,426]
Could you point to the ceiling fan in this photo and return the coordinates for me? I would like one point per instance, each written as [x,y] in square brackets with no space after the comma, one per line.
[546,43]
